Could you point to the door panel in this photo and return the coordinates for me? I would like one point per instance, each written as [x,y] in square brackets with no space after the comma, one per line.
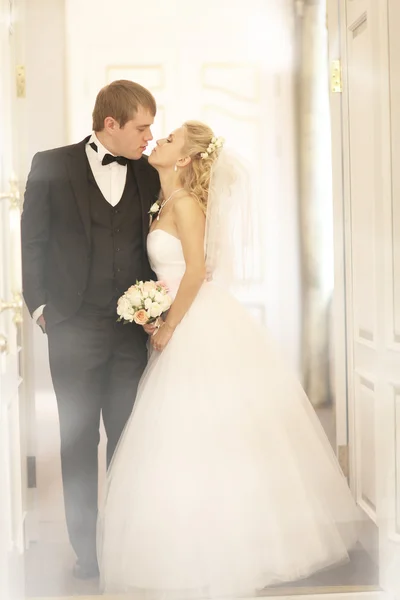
[371,201]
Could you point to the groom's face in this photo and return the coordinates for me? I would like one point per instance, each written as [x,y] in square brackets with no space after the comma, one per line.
[131,140]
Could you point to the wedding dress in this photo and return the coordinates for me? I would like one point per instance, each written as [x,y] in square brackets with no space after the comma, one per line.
[224,481]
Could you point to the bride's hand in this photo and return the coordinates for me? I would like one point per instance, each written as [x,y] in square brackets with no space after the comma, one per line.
[150,328]
[161,337]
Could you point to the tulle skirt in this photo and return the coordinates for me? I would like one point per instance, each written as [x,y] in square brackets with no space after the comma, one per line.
[223,481]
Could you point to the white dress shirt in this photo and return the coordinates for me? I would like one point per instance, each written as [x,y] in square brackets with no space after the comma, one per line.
[110,178]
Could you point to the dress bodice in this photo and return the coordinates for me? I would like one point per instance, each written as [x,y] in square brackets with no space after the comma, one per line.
[166,258]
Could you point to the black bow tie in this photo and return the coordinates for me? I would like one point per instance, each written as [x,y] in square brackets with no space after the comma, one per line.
[109,158]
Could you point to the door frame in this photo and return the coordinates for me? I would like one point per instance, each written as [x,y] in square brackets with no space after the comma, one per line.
[339,325]
[346,420]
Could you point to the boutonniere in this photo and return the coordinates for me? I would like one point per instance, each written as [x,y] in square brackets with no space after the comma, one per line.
[154,209]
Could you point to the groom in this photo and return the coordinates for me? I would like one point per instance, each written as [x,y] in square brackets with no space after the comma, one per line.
[84,228]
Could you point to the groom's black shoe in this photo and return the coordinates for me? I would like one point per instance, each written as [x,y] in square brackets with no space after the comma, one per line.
[85,571]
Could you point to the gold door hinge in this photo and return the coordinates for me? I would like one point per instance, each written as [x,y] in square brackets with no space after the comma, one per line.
[336,77]
[21,81]
[343,458]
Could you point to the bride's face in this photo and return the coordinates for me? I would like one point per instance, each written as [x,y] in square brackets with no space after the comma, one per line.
[168,150]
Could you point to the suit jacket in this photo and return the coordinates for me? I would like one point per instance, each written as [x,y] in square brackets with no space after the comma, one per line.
[55,228]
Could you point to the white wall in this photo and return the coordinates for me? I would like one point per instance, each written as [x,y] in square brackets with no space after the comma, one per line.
[229,63]
[46,123]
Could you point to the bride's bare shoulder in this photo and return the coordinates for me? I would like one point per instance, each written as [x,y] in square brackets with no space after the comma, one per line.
[187,204]
[188,216]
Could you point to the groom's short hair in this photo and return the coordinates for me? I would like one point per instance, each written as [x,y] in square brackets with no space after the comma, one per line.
[121,100]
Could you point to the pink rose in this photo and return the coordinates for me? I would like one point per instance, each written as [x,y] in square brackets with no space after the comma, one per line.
[163,286]
[141,317]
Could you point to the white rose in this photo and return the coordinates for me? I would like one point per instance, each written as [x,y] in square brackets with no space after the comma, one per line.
[149,286]
[154,208]
[134,297]
[166,303]
[158,297]
[155,310]
[148,303]
[124,309]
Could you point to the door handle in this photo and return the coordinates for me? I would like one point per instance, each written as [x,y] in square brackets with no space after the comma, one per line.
[3,344]
[15,305]
[13,195]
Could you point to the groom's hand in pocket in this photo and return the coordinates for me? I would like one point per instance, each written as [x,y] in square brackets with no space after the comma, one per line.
[42,323]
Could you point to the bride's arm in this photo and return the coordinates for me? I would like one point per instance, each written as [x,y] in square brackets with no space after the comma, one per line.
[190,223]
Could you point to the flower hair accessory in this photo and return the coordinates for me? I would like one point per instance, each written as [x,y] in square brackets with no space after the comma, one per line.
[213,145]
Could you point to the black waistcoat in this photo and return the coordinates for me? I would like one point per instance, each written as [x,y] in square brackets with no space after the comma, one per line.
[117,259]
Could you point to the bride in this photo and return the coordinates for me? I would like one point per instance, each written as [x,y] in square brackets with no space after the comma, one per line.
[223,481]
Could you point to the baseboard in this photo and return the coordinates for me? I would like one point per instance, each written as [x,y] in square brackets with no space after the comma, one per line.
[322,591]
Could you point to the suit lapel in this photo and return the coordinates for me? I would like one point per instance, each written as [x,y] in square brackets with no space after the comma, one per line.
[146,193]
[77,170]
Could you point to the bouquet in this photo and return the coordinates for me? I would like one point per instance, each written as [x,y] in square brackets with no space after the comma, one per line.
[144,302]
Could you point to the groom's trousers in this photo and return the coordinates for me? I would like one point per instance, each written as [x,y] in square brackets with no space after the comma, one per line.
[96,364]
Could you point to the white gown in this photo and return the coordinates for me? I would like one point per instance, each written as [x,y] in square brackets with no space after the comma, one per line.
[224,481]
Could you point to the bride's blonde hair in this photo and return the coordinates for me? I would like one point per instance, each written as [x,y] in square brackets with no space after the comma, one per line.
[195,177]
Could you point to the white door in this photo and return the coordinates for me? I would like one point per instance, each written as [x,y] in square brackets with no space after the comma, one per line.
[388,231]
[12,459]
[366,142]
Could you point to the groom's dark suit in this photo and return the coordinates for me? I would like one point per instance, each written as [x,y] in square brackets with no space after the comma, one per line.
[79,254]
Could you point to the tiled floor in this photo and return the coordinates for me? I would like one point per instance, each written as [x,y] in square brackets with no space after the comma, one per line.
[48,573]
[338,595]
[48,564]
